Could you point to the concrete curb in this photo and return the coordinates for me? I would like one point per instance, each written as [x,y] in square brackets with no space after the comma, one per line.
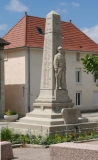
[16,145]
[83,141]
[36,146]
[29,146]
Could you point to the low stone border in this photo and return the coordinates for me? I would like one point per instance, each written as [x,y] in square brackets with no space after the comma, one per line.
[37,146]
[16,145]
[30,146]
[83,141]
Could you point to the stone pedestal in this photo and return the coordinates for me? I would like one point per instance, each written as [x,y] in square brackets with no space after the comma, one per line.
[6,151]
[58,100]
[70,115]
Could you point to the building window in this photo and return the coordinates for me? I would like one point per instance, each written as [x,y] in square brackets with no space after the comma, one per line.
[78,98]
[77,56]
[39,30]
[78,75]
[95,98]
[94,79]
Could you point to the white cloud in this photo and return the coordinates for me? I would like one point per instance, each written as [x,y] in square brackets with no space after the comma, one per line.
[62,6]
[62,3]
[64,10]
[3,27]
[59,10]
[75,4]
[16,6]
[91,32]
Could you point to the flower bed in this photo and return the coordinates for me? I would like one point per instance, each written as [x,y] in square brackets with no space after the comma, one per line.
[9,135]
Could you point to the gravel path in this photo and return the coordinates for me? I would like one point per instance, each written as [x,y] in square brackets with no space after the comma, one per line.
[31,153]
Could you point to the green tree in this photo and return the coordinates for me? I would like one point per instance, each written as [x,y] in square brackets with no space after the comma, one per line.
[90,63]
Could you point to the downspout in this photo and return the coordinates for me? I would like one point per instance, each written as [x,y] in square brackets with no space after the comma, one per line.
[28,66]
[28,79]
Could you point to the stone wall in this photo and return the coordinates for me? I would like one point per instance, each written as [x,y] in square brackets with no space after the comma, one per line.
[74,151]
[2,97]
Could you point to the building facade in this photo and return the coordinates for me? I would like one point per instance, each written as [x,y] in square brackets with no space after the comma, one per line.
[2,88]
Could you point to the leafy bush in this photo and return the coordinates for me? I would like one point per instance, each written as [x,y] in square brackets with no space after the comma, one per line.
[6,134]
[14,138]
[90,63]
[10,112]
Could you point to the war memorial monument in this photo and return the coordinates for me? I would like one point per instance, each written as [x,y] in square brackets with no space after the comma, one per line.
[53,109]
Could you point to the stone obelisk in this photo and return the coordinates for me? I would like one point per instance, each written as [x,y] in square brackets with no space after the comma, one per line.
[52,40]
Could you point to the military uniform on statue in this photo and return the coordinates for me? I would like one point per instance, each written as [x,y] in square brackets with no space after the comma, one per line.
[60,69]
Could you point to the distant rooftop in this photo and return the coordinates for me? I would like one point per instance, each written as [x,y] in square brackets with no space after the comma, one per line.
[24,33]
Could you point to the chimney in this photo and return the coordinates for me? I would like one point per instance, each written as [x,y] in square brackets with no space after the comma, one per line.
[25,13]
[70,20]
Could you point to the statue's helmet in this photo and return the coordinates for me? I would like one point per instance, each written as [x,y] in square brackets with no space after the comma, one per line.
[59,48]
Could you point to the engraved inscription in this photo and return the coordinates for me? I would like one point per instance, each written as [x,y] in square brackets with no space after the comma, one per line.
[47,63]
[56,24]
[48,24]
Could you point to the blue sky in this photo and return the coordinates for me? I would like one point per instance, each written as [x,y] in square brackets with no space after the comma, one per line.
[83,13]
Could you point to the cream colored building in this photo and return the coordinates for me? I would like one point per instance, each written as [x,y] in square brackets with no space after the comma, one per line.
[23,62]
[2,90]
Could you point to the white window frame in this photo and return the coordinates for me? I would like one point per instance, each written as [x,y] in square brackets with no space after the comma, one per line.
[78,75]
[78,98]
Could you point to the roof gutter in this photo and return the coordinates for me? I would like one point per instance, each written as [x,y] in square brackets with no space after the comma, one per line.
[38,48]
[80,51]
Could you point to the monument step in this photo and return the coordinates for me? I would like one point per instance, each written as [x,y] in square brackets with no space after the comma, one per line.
[44,115]
[24,128]
[45,121]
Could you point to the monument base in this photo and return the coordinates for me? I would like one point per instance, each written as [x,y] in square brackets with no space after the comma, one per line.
[53,96]
[44,130]
[47,122]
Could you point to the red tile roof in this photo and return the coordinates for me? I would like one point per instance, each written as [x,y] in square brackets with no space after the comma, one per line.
[24,33]
[16,36]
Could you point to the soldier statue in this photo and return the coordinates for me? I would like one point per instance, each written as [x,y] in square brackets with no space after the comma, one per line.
[60,69]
